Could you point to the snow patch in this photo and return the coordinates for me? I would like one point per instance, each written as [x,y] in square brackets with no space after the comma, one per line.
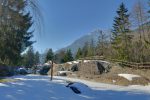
[1,84]
[75,62]
[128,76]
[69,63]
[86,61]
[63,72]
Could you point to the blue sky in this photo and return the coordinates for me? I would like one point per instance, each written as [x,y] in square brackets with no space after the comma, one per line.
[68,20]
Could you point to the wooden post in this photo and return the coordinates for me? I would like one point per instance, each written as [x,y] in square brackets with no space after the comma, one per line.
[52,71]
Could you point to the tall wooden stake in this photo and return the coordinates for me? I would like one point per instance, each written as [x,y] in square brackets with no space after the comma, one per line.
[52,71]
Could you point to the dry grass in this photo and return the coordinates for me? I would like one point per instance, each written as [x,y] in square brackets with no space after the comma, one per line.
[3,80]
[113,78]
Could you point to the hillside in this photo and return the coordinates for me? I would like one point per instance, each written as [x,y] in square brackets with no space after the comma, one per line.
[79,43]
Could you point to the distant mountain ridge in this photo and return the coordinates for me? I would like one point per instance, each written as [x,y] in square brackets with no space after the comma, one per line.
[79,43]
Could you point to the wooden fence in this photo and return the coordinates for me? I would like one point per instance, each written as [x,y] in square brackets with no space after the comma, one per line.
[145,65]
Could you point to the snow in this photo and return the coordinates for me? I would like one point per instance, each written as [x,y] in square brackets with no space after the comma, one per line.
[69,63]
[86,61]
[1,84]
[63,72]
[73,62]
[104,61]
[76,62]
[103,86]
[47,64]
[34,87]
[128,76]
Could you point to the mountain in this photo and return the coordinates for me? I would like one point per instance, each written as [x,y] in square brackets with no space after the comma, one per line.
[79,43]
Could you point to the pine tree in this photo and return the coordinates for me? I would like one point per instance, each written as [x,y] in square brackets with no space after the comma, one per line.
[79,53]
[49,55]
[37,58]
[119,33]
[14,30]
[29,58]
[68,56]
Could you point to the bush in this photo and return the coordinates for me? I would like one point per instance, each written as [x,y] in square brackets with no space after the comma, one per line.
[44,70]
[22,71]
[6,70]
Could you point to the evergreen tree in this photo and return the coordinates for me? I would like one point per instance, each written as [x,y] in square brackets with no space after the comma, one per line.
[29,58]
[37,58]
[79,53]
[49,55]
[14,30]
[119,33]
[68,56]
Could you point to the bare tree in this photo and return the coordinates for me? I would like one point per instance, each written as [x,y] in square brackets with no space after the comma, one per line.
[101,45]
[140,18]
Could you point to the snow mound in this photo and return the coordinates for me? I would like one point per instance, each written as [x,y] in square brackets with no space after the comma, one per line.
[128,76]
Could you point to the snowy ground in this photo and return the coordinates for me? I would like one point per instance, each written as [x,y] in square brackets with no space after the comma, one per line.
[33,87]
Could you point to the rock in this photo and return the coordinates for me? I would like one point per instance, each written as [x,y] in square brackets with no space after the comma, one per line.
[74,68]
[75,90]
[94,67]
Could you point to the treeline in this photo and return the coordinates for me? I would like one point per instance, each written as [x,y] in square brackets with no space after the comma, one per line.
[30,58]
[131,35]
[60,57]
[129,40]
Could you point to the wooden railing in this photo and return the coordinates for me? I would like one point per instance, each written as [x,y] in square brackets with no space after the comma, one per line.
[145,65]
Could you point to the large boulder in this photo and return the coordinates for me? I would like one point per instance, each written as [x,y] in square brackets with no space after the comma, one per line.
[94,67]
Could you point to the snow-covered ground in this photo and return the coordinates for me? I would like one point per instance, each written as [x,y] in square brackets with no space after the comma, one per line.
[33,87]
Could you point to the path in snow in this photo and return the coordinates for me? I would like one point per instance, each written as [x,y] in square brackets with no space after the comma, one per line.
[40,88]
